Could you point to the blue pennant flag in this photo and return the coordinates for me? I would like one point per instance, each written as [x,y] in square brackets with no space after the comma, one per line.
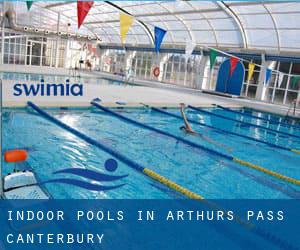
[159,34]
[268,75]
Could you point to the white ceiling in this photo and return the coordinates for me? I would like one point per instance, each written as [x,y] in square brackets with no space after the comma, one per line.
[254,25]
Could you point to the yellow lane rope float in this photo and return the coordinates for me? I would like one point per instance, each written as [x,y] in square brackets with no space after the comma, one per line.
[296,151]
[269,172]
[171,184]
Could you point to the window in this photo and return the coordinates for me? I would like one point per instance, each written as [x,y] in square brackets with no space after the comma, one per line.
[23,49]
[196,73]
[250,88]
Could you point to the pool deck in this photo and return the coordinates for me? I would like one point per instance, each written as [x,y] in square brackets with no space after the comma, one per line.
[110,94]
[146,92]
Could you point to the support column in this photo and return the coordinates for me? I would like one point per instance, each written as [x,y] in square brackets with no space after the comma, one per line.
[131,55]
[67,60]
[203,78]
[130,73]
[57,41]
[69,63]
[107,54]
[185,62]
[261,91]
[102,55]
[161,67]
[2,42]
[3,34]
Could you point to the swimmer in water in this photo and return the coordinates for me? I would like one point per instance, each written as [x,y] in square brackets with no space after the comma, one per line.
[188,129]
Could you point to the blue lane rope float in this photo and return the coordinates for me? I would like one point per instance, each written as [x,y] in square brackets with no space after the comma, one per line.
[257,117]
[155,176]
[242,122]
[136,166]
[97,99]
[121,103]
[195,145]
[225,131]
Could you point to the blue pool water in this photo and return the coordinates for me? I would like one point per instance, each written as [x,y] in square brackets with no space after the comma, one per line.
[52,149]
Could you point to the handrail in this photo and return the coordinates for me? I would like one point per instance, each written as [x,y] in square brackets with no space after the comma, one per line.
[257,117]
[274,115]
[248,123]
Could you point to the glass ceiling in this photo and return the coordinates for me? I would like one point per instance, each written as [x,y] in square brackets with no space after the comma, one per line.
[251,25]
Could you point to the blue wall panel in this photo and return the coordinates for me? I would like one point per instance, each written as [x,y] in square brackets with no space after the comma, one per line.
[230,84]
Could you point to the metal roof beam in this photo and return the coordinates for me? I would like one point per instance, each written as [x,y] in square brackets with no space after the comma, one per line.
[255,3]
[58,4]
[236,19]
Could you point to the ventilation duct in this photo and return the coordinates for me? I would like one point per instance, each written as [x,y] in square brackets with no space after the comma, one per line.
[10,15]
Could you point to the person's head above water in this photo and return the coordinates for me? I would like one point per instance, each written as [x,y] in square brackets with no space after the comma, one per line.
[182,105]
[182,128]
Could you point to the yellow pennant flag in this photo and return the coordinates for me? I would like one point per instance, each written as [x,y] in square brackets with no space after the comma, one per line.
[125,23]
[250,71]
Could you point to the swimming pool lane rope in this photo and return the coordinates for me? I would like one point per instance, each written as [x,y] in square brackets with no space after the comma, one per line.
[225,131]
[155,176]
[248,123]
[136,166]
[257,117]
[201,147]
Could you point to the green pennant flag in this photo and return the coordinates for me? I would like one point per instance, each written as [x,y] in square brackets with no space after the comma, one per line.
[295,80]
[212,56]
[29,4]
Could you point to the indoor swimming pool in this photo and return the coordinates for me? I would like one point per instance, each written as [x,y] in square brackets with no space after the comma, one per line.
[52,148]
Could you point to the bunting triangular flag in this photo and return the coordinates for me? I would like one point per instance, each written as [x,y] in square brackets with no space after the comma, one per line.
[233,63]
[83,8]
[280,79]
[295,80]
[125,23]
[29,4]
[159,35]
[212,57]
[268,76]
[251,67]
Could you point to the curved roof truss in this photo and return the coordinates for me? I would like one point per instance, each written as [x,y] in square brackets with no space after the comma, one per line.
[265,25]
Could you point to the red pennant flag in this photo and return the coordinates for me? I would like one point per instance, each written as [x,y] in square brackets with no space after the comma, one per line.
[83,9]
[233,62]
